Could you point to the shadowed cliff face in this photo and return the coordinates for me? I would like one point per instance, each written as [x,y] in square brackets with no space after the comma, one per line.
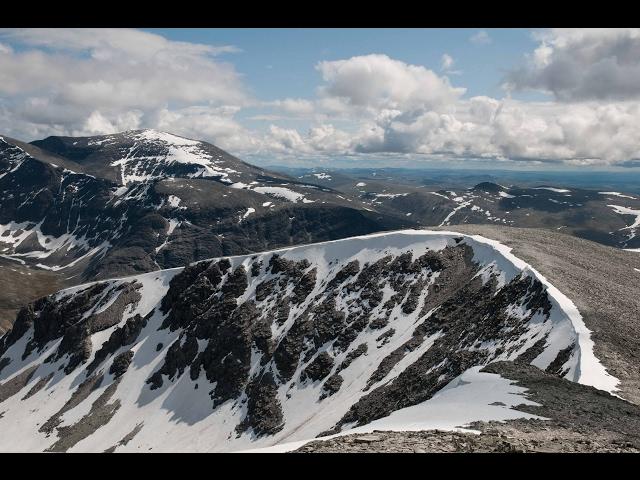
[279,345]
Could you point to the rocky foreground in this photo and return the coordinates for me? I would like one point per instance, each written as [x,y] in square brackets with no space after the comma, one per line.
[579,419]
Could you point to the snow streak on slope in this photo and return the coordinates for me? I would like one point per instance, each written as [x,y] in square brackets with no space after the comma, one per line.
[449,409]
[551,189]
[628,211]
[169,150]
[259,350]
[588,370]
[617,194]
[13,157]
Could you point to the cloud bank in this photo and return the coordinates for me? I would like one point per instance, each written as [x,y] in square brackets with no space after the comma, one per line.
[583,64]
[85,82]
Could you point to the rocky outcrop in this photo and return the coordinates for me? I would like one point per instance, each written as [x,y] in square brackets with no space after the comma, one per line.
[122,336]
[361,336]
[319,368]
[121,363]
[264,413]
[472,315]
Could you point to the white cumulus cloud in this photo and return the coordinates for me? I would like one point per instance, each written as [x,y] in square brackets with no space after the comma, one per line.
[378,81]
[480,38]
[70,81]
[583,64]
[446,62]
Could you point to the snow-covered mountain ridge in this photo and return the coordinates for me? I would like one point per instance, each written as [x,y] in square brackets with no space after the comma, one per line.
[258,350]
[144,200]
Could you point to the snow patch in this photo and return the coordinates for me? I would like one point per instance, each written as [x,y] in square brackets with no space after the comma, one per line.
[617,194]
[628,211]
[282,192]
[322,176]
[551,189]
[470,397]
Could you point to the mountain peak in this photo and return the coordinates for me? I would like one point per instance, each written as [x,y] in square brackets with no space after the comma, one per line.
[158,135]
[489,187]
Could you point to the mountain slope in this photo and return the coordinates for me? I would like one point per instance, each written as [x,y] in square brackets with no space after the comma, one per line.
[610,218]
[145,200]
[100,207]
[554,416]
[142,155]
[281,346]
[600,280]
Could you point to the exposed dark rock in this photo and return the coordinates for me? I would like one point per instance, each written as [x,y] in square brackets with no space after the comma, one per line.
[236,283]
[469,314]
[327,321]
[100,414]
[278,264]
[331,386]
[264,413]
[226,360]
[352,355]
[178,357]
[40,384]
[224,265]
[23,322]
[304,287]
[385,337]
[349,270]
[287,353]
[12,386]
[76,342]
[282,310]
[264,289]
[319,368]
[54,319]
[379,323]
[184,280]
[256,267]
[555,367]
[126,439]
[190,303]
[531,353]
[112,315]
[78,396]
[122,336]
[411,303]
[121,363]
[411,386]
[350,333]
[260,330]
[4,361]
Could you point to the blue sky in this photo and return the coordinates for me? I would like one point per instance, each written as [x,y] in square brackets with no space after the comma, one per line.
[501,98]
[280,63]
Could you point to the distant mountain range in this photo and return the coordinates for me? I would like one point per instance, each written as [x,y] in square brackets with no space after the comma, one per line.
[77,209]
[605,216]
